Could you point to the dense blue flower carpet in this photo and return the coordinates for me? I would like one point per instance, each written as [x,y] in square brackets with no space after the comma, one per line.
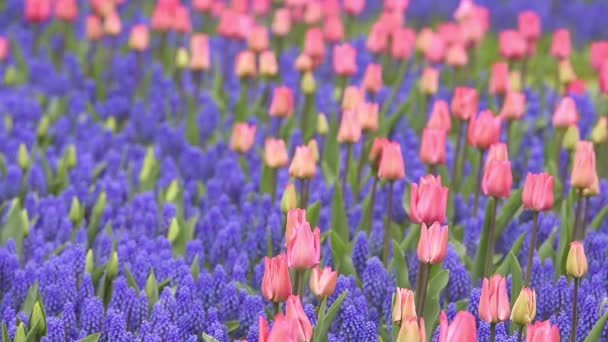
[303,170]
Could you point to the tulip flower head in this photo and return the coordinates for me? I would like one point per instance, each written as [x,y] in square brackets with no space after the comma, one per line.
[140,37]
[524,309]
[4,48]
[375,152]
[463,327]
[494,303]
[294,309]
[576,263]
[281,24]
[276,284]
[499,81]
[433,243]
[429,82]
[529,25]
[561,45]
[284,329]
[512,44]
[282,102]
[404,304]
[391,165]
[345,63]
[268,64]
[323,282]
[275,153]
[514,106]
[465,102]
[566,113]
[433,146]
[440,116]
[303,247]
[412,330]
[295,217]
[538,192]
[583,169]
[368,113]
[372,80]
[428,200]
[484,130]
[245,64]
[542,331]
[243,137]
[303,165]
[497,179]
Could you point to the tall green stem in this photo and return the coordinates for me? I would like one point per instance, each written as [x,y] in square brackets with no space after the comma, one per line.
[387,225]
[579,209]
[574,322]
[305,183]
[349,154]
[478,183]
[489,263]
[531,250]
[492,332]
[421,287]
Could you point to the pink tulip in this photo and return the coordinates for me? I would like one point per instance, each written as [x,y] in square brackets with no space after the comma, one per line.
[350,127]
[345,63]
[561,45]
[529,25]
[542,331]
[405,305]
[281,24]
[565,114]
[412,330]
[243,137]
[512,44]
[112,24]
[436,50]
[494,303]
[66,10]
[433,243]
[484,130]
[402,43]
[497,179]
[599,54]
[462,329]
[294,309]
[583,166]
[391,165]
[276,284]
[429,200]
[37,11]
[200,58]
[377,39]
[354,7]
[275,153]
[433,146]
[5,48]
[268,64]
[258,40]
[464,10]
[456,56]
[139,39]
[282,102]
[181,20]
[603,78]
[499,81]
[245,64]
[94,29]
[303,164]
[538,191]
[497,151]
[284,329]
[202,5]
[514,105]
[372,80]
[314,45]
[261,7]
[375,153]
[464,102]
[333,29]
[295,217]
[440,116]
[303,247]
[323,282]
[368,116]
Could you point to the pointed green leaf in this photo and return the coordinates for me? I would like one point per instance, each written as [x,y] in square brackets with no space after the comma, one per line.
[508,211]
[152,289]
[598,219]
[91,338]
[480,256]
[400,267]
[20,335]
[313,212]
[195,269]
[547,249]
[339,220]
[322,328]
[232,326]
[514,250]
[595,335]
[341,254]
[269,180]
[209,338]
[131,279]
[432,307]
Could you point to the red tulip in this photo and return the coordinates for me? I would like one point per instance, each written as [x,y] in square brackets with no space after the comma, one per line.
[484,130]
[282,102]
[538,191]
[494,303]
[497,179]
[429,200]
[276,284]
[391,165]
[433,243]
[462,329]
[542,331]
[433,146]
[303,247]
[464,102]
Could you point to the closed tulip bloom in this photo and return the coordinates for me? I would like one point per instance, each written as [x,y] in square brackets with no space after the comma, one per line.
[282,102]
[391,165]
[494,303]
[303,247]
[376,151]
[435,52]
[314,45]
[464,9]
[295,217]
[354,7]
[433,146]
[583,166]
[281,24]
[424,39]
[429,81]
[542,331]
[497,151]
[269,66]
[323,282]
[350,127]
[599,54]
[345,63]
[5,46]
[566,72]
[514,105]
[368,116]
[497,179]
[66,10]
[594,189]
[512,44]
[411,330]
[561,44]
[289,200]
[303,164]
[258,39]
[199,46]
[112,25]
[450,33]
[181,20]
[402,43]
[322,125]
[284,329]
[499,81]
[462,329]
[304,63]
[94,29]
[576,263]
[333,30]
[440,116]
[245,64]
[294,309]
[314,12]
[428,200]
[353,96]
[524,309]
[276,284]
[529,25]
[377,39]
[37,10]
[484,130]
[465,102]
[261,7]
[566,113]
[162,17]
[405,305]
[202,5]
[456,56]
[372,80]
[538,191]
[275,153]
[571,138]
[243,137]
[599,133]
[140,37]
[433,243]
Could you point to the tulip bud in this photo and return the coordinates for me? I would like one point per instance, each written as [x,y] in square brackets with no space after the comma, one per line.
[322,125]
[497,179]
[433,146]
[345,63]
[303,164]
[429,82]
[182,60]
[38,318]
[538,191]
[70,156]
[4,48]
[484,130]
[440,116]
[268,64]
[464,102]
[276,284]
[174,230]
[372,80]
[76,212]
[289,200]
[303,247]
[20,334]
[576,264]
[404,305]
[571,138]
[542,332]
[499,82]
[514,105]
[599,133]
[391,162]
[308,85]
[524,309]
[411,331]
[428,200]
[353,96]
[139,38]
[350,128]
[90,261]
[583,169]
[275,153]
[314,147]
[566,72]
[243,137]
[368,115]
[566,113]
[494,304]
[323,283]
[282,102]
[23,157]
[433,243]
[112,266]
[245,64]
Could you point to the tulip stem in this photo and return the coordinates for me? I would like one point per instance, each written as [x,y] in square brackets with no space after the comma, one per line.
[299,283]
[520,333]
[577,217]
[478,183]
[456,161]
[349,154]
[305,188]
[421,287]
[370,208]
[489,263]
[492,332]
[531,250]
[574,322]
[583,227]
[276,308]
[387,226]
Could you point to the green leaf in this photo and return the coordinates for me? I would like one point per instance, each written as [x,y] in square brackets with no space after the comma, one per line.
[339,221]
[34,334]
[195,269]
[432,307]
[514,250]
[30,299]
[596,332]
[310,117]
[91,338]
[508,211]
[313,212]
[322,328]
[209,338]
[516,277]
[331,153]
[565,235]
[20,334]
[400,266]
[598,219]
[5,336]
[13,227]
[480,256]
[95,219]
[269,180]
[411,239]
[438,283]
[341,254]
[232,326]
[152,290]
[131,279]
